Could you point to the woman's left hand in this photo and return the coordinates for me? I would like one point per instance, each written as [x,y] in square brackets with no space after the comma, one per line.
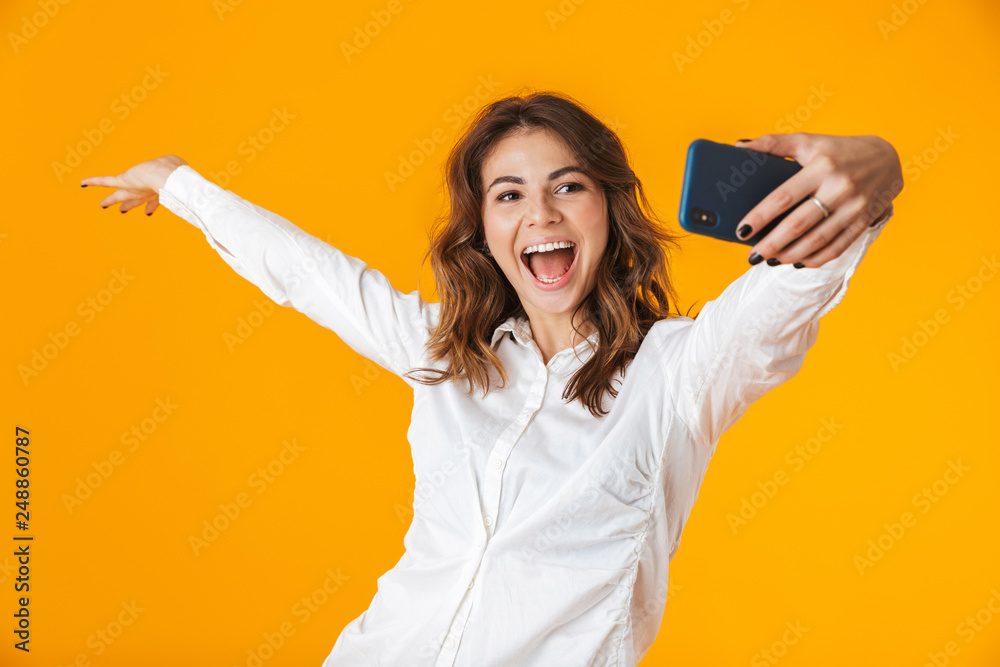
[856,178]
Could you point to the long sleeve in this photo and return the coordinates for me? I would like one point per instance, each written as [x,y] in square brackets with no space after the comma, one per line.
[297,270]
[752,338]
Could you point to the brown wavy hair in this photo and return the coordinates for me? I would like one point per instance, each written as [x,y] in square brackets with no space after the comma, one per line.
[633,288]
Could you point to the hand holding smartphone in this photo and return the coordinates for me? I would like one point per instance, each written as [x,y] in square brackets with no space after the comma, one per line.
[722,183]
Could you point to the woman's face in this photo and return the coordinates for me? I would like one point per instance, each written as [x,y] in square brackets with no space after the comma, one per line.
[535,193]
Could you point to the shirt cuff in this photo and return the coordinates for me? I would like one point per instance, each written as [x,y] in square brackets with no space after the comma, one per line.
[839,270]
[188,194]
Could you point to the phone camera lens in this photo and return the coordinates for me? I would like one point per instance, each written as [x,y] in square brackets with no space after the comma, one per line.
[703,217]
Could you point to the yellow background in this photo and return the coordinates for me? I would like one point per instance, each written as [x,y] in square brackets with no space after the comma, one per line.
[341,504]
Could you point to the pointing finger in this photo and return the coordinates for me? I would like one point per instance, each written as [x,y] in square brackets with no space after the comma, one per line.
[106,181]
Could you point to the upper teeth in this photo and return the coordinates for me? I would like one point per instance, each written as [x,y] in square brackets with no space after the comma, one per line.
[545,247]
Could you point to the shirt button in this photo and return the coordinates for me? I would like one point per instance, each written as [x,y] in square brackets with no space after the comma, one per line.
[498,463]
[489,521]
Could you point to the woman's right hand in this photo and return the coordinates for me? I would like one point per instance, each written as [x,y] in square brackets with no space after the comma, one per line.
[139,184]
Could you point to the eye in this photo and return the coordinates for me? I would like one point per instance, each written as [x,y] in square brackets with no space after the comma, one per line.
[579,186]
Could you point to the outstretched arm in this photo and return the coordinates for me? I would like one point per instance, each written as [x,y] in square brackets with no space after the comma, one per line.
[290,266]
[755,335]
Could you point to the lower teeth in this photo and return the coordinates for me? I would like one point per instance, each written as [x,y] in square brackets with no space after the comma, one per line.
[549,280]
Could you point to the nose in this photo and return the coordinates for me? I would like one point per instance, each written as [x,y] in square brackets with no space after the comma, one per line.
[542,210]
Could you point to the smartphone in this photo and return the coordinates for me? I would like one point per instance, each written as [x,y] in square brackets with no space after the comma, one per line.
[722,183]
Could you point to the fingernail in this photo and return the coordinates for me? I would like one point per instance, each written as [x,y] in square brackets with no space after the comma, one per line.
[104,207]
[799,265]
[755,258]
[149,214]
[773,261]
[739,140]
[122,210]
[743,231]
[83,185]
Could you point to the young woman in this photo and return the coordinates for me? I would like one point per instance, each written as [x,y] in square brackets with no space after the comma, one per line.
[563,416]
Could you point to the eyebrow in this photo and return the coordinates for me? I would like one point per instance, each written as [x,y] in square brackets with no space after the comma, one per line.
[520,181]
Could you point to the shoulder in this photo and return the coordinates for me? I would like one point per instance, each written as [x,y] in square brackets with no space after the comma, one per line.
[666,339]
[669,328]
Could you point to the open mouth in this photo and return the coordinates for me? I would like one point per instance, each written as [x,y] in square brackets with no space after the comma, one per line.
[553,270]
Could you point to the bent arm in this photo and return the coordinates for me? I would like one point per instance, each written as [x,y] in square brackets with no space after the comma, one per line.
[752,338]
[297,270]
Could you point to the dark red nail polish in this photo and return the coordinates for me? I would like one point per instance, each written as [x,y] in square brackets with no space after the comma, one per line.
[743,231]
[755,258]
[799,265]
[773,261]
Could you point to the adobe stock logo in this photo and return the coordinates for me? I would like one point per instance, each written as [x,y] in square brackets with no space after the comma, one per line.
[968,629]
[797,457]
[454,116]
[37,21]
[738,176]
[101,470]
[59,339]
[923,500]
[363,35]
[779,648]
[260,480]
[303,610]
[122,106]
[253,145]
[105,636]
[959,296]
[559,15]
[247,325]
[898,17]
[704,39]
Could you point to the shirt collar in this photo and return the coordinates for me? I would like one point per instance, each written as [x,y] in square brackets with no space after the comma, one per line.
[517,325]
[520,328]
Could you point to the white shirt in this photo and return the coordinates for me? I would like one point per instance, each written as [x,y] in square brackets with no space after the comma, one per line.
[541,536]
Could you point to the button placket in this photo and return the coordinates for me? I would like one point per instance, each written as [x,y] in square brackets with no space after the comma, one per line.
[501,451]
[455,633]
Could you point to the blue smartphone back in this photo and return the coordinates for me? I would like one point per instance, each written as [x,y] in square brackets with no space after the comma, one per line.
[722,183]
